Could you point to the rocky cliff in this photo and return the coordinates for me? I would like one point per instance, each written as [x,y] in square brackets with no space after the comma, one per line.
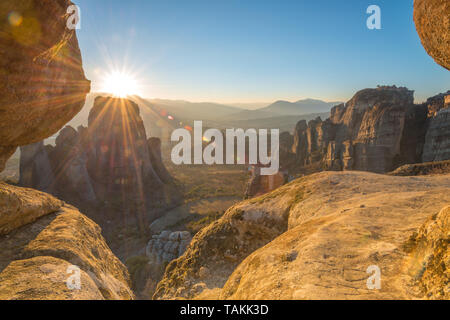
[437,137]
[432,19]
[110,163]
[316,237]
[42,82]
[377,130]
[42,239]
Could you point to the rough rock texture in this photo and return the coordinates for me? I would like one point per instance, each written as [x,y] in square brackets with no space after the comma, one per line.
[108,163]
[35,255]
[432,18]
[313,238]
[19,206]
[218,249]
[258,184]
[167,246]
[437,138]
[42,83]
[377,130]
[430,256]
[420,169]
[35,168]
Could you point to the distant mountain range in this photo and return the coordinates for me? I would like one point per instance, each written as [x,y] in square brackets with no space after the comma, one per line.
[194,110]
[300,107]
[161,116]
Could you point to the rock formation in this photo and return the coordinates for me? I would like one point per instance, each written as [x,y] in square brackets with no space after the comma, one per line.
[258,184]
[167,246]
[41,239]
[430,256]
[437,138]
[316,237]
[42,82]
[110,163]
[377,130]
[432,19]
[421,169]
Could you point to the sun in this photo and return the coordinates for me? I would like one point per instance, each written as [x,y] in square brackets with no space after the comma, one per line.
[120,84]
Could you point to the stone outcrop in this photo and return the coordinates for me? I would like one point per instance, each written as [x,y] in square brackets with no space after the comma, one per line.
[110,163]
[41,239]
[42,86]
[259,184]
[430,256]
[42,82]
[437,138]
[19,206]
[432,19]
[218,249]
[35,168]
[316,237]
[167,246]
[377,130]
[421,169]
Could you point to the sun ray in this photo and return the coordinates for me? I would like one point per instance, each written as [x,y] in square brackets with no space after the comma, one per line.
[120,84]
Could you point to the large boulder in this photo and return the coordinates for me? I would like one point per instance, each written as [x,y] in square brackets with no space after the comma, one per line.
[20,206]
[42,239]
[317,237]
[42,82]
[432,18]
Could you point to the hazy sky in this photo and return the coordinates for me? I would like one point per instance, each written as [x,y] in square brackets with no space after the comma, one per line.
[254,50]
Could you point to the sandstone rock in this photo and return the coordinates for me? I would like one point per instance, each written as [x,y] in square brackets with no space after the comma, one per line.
[378,130]
[167,246]
[259,184]
[419,169]
[433,26]
[40,47]
[437,138]
[35,168]
[19,281]
[318,242]
[109,162]
[78,240]
[154,145]
[225,243]
[429,262]
[19,206]
[69,162]
[43,240]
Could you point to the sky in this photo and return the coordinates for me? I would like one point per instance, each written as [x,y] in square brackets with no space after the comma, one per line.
[250,51]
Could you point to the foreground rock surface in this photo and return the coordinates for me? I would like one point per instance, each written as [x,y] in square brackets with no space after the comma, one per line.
[42,82]
[37,253]
[314,239]
[20,206]
[432,19]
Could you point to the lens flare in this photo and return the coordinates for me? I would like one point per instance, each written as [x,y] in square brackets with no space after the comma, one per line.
[120,85]
[15,19]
